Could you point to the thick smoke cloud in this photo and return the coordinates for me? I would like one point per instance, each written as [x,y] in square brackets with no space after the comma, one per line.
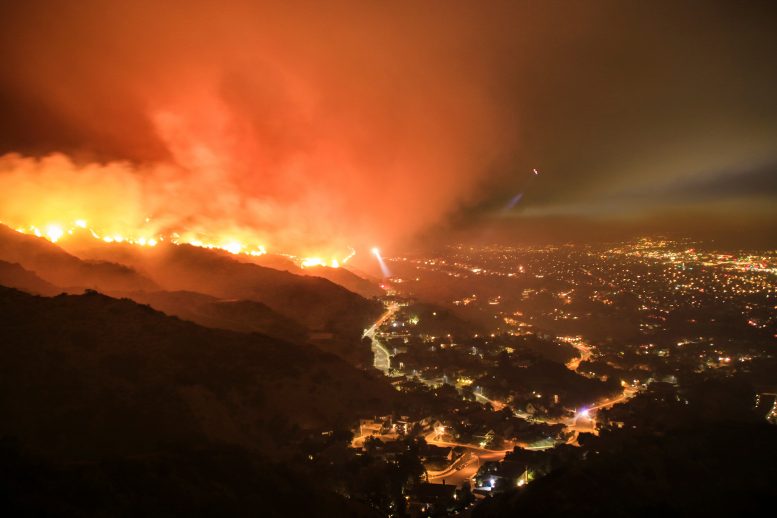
[323,125]
[303,128]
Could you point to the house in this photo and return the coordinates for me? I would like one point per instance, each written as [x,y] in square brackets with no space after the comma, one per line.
[500,476]
[370,426]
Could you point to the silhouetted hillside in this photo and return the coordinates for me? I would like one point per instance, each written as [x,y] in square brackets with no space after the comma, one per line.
[85,246]
[89,377]
[319,304]
[346,279]
[277,262]
[56,266]
[13,275]
[343,276]
[236,315]
[333,316]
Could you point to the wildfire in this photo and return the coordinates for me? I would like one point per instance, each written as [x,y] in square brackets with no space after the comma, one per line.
[55,232]
[309,262]
[334,262]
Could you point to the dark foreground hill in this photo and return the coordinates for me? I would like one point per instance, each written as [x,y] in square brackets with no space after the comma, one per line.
[89,376]
[109,408]
[180,481]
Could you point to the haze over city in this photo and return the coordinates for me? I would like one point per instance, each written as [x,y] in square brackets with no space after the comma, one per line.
[405,259]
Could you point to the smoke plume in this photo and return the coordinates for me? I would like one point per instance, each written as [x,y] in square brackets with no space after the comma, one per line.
[298,128]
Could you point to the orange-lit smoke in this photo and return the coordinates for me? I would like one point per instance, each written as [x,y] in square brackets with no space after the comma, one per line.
[305,131]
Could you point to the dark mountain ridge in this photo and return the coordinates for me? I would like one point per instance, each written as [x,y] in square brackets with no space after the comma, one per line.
[271,301]
[89,376]
[244,316]
[314,301]
[14,275]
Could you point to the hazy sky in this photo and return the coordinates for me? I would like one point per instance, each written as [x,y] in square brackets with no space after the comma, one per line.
[367,122]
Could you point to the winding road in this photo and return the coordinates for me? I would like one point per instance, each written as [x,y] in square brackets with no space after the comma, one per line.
[382,356]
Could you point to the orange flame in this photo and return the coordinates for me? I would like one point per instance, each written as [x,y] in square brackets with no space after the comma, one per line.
[56,231]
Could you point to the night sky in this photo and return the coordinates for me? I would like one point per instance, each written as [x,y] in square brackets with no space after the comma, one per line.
[371,123]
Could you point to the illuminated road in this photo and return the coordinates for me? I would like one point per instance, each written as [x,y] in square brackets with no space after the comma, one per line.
[496,405]
[586,421]
[627,393]
[433,438]
[382,355]
[463,470]
[585,355]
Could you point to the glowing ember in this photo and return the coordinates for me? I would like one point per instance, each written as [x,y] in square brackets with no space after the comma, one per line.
[233,248]
[334,262]
[312,261]
[54,233]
